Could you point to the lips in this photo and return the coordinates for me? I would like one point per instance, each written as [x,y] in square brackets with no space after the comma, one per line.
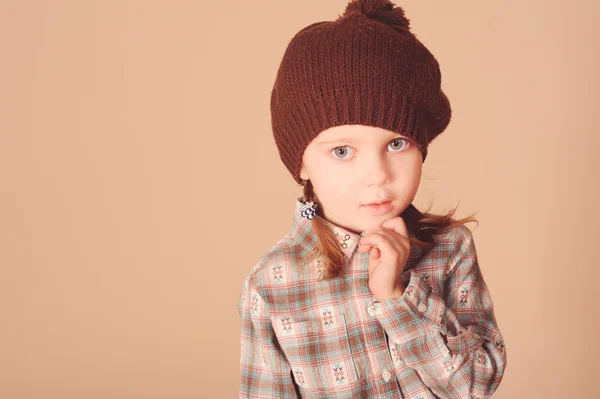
[378,208]
[378,202]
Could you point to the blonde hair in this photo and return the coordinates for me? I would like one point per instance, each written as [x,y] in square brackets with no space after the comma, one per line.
[422,228]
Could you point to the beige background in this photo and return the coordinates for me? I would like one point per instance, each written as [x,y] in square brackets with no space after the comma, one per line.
[140,183]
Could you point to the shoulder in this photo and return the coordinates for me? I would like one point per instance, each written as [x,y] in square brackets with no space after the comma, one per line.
[278,254]
[452,246]
[458,245]
[455,236]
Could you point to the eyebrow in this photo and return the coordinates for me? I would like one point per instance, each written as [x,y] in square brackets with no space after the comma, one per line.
[348,140]
[341,140]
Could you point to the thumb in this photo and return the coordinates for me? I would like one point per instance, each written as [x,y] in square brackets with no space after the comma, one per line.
[374,253]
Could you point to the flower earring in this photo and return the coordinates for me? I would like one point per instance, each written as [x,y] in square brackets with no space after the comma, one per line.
[308,209]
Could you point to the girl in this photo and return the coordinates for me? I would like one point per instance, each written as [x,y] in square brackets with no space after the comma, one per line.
[366,297]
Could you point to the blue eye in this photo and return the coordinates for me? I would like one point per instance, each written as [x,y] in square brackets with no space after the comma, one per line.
[399,140]
[341,151]
[395,144]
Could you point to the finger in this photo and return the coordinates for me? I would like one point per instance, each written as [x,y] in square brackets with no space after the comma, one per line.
[364,247]
[379,240]
[396,224]
[373,263]
[374,253]
[396,240]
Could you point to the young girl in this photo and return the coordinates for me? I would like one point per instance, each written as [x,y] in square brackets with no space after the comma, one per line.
[366,297]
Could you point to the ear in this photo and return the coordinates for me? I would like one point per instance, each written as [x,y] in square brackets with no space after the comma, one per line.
[303,174]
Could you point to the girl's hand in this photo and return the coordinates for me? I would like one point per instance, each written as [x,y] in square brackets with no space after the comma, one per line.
[388,248]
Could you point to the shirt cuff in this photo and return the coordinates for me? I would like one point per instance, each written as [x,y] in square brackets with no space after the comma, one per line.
[415,313]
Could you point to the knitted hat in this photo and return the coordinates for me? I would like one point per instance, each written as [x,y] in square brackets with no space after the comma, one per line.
[364,68]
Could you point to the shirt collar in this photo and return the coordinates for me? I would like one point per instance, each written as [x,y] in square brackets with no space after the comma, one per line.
[304,230]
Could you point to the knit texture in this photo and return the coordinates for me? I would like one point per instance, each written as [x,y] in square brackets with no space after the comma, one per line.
[364,68]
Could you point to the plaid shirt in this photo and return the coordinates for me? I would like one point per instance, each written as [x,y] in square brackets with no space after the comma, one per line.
[303,337]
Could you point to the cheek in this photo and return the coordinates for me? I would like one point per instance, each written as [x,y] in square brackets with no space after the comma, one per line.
[408,176]
[333,191]
[414,174]
[332,187]
[410,167]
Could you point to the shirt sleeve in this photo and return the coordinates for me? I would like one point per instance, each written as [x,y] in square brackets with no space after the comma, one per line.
[453,342]
[264,370]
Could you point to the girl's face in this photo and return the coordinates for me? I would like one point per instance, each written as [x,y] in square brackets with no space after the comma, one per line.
[353,165]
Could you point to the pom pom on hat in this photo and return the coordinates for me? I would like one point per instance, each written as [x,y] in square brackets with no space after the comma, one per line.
[383,11]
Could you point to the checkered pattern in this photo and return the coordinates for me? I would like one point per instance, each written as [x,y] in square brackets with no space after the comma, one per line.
[303,337]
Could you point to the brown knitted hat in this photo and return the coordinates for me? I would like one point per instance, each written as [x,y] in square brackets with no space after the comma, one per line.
[364,68]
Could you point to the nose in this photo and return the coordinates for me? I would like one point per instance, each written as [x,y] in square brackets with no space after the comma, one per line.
[376,170]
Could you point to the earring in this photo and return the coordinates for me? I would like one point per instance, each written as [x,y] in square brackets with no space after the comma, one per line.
[308,208]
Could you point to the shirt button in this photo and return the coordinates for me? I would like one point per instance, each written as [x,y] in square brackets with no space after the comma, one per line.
[422,307]
[370,310]
[386,375]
